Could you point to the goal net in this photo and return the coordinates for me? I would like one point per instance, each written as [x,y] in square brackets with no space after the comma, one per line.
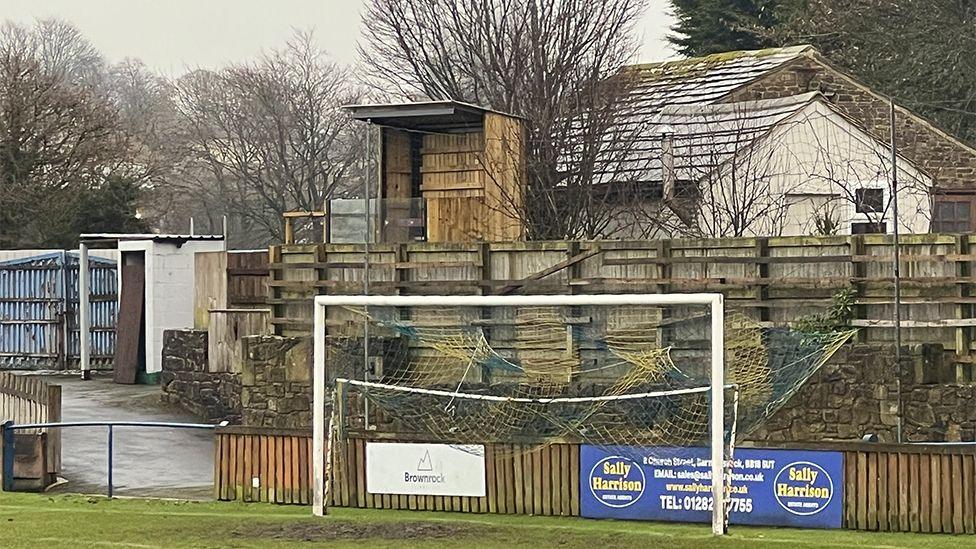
[629,373]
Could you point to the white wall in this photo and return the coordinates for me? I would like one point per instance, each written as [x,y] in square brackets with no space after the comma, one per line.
[808,163]
[169,289]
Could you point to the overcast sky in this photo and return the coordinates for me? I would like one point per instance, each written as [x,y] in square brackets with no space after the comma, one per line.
[171,35]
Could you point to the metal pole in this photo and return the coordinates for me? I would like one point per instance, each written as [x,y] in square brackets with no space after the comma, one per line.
[366,189]
[84,311]
[897,267]
[111,434]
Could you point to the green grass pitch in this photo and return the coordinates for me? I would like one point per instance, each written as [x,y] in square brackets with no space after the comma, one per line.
[30,520]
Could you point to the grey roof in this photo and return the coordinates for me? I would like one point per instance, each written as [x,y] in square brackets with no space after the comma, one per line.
[702,79]
[632,149]
[701,137]
[424,116]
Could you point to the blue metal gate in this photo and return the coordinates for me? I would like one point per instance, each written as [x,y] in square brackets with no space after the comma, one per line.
[39,312]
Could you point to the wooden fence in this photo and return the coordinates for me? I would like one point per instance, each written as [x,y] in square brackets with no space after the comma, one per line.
[228,280]
[226,329]
[28,399]
[891,488]
[253,465]
[774,280]
[911,489]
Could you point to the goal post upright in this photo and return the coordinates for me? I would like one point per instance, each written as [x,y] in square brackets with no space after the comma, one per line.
[718,414]
[714,301]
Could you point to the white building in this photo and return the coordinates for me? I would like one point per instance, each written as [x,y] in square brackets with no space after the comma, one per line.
[156,293]
[778,167]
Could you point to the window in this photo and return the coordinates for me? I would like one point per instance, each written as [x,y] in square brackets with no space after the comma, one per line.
[869,228]
[952,215]
[869,200]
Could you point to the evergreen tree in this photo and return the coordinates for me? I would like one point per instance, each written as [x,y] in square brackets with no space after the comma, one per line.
[713,26]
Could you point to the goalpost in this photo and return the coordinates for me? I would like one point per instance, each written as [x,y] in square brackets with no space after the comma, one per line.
[714,389]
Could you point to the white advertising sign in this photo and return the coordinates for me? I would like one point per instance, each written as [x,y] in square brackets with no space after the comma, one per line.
[425,469]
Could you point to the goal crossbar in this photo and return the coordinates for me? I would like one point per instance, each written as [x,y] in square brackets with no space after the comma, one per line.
[715,302]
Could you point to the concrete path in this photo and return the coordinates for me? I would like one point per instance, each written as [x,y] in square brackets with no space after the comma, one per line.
[148,461]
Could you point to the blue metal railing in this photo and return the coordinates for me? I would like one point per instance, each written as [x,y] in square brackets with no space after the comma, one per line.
[9,427]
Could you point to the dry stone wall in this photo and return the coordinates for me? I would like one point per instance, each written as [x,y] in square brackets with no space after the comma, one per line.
[186,381]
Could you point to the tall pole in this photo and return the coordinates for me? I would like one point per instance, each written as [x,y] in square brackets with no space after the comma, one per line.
[84,322]
[896,265]
[366,189]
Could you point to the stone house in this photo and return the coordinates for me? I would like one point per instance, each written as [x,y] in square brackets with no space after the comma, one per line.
[740,81]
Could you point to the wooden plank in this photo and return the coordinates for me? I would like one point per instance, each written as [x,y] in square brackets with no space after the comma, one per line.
[232,470]
[360,462]
[850,490]
[565,482]
[871,483]
[248,463]
[956,480]
[935,484]
[505,290]
[537,480]
[218,466]
[574,475]
[556,469]
[280,486]
[881,477]
[893,492]
[500,494]
[546,481]
[925,493]
[528,475]
[862,491]
[945,464]
[285,466]
[490,485]
[969,494]
[519,484]
[305,470]
[915,493]
[904,493]
[127,360]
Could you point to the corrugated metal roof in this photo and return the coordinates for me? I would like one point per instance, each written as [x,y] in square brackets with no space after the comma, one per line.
[150,236]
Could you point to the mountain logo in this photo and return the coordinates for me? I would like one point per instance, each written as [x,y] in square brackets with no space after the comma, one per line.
[425,463]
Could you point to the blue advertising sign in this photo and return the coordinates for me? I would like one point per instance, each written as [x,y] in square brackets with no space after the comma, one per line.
[769,487]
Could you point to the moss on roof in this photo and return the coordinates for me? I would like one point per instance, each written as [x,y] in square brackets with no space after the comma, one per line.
[708,61]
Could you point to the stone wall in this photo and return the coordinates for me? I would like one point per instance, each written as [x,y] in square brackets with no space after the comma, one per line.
[186,381]
[277,382]
[951,163]
[856,394]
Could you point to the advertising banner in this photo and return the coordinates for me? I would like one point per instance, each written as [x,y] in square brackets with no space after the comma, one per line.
[425,469]
[769,487]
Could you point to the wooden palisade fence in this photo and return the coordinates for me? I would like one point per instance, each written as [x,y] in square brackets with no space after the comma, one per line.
[773,280]
[893,488]
[28,399]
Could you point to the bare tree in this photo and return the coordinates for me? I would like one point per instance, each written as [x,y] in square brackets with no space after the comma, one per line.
[770,168]
[269,136]
[60,137]
[556,63]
